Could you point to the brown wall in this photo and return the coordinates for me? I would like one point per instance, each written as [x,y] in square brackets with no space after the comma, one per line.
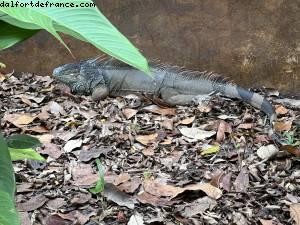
[254,42]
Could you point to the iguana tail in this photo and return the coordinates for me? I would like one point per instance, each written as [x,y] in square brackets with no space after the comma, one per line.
[257,101]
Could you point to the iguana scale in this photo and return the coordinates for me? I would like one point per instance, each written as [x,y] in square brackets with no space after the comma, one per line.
[107,77]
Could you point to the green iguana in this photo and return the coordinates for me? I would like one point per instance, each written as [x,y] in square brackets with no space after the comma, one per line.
[107,77]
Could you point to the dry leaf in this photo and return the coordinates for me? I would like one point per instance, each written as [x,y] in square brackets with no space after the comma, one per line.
[196,133]
[72,144]
[269,222]
[291,149]
[123,177]
[136,219]
[32,204]
[146,139]
[295,212]
[242,181]
[83,175]
[131,185]
[167,123]
[129,113]
[111,192]
[281,110]
[50,149]
[44,138]
[283,126]
[56,108]
[186,121]
[19,119]
[148,151]
[245,126]
[266,152]
[198,206]
[158,110]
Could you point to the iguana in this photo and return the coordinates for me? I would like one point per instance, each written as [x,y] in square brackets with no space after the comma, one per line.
[175,86]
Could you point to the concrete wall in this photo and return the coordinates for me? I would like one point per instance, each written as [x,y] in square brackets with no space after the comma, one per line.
[254,42]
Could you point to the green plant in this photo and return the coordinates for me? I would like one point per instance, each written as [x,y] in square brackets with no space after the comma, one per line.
[291,140]
[100,183]
[9,215]
[87,24]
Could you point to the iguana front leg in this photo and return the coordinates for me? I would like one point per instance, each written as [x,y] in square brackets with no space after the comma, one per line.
[100,92]
[172,97]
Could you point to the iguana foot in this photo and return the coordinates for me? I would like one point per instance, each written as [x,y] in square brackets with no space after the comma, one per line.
[100,93]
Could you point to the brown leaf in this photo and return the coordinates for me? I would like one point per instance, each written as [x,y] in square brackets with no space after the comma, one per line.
[186,121]
[295,212]
[83,175]
[25,220]
[37,129]
[130,186]
[146,139]
[196,133]
[87,155]
[56,108]
[56,203]
[44,115]
[50,149]
[19,119]
[291,149]
[123,177]
[269,222]
[76,216]
[281,110]
[57,220]
[198,207]
[129,113]
[162,111]
[245,126]
[148,151]
[207,188]
[44,138]
[283,126]
[81,198]
[168,124]
[111,192]
[147,198]
[205,108]
[32,204]
[223,127]
[226,182]
[242,181]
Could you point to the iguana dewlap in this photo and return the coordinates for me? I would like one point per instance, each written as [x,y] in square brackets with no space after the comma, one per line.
[175,86]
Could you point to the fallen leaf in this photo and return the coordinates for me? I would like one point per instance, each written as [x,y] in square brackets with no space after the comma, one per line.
[148,151]
[196,133]
[198,206]
[50,149]
[123,177]
[242,181]
[158,110]
[210,150]
[146,139]
[131,185]
[266,152]
[112,193]
[44,138]
[81,198]
[136,219]
[57,220]
[56,203]
[245,126]
[295,212]
[205,108]
[19,119]
[38,129]
[291,149]
[147,198]
[44,115]
[87,155]
[186,121]
[222,129]
[24,216]
[269,222]
[83,175]
[283,126]
[129,113]
[32,204]
[167,123]
[281,110]
[225,182]
[56,108]
[76,216]
[207,188]
[72,144]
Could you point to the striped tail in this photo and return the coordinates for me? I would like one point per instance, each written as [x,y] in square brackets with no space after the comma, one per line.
[257,101]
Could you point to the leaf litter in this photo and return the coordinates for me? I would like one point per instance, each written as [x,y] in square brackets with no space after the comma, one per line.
[211,164]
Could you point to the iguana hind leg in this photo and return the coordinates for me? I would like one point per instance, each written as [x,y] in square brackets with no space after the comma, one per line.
[172,97]
[100,92]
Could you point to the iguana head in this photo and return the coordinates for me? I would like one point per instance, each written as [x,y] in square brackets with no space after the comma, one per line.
[81,77]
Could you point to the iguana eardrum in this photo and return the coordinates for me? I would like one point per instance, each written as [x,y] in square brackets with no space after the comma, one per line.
[107,77]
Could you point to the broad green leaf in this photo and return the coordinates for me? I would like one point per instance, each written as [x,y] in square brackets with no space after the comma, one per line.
[10,35]
[211,150]
[100,183]
[8,212]
[22,141]
[13,21]
[7,178]
[88,24]
[28,153]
